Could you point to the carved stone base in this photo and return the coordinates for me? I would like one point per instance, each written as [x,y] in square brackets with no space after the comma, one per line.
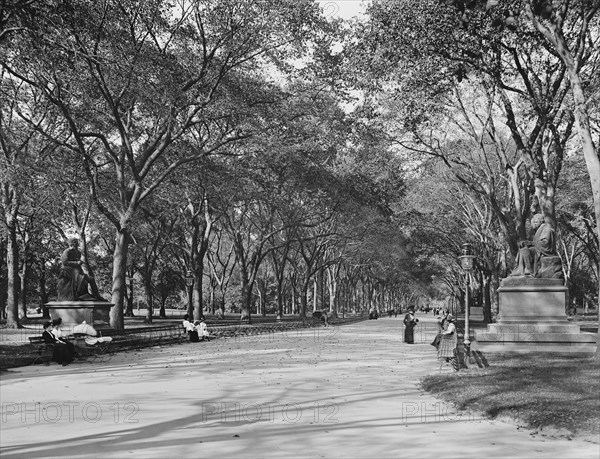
[95,313]
[532,318]
[476,314]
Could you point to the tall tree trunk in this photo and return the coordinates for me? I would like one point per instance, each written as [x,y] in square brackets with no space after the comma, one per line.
[246,299]
[43,292]
[263,298]
[315,295]
[197,297]
[322,289]
[212,297]
[149,300]
[304,298]
[162,312]
[129,308]
[333,302]
[556,37]
[12,266]
[118,279]
[189,292]
[280,300]
[592,160]
[487,298]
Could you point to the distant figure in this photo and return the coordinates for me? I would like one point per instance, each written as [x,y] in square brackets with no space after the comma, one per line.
[410,322]
[73,282]
[321,315]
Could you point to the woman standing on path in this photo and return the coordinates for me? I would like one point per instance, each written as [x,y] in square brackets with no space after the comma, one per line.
[448,342]
[410,321]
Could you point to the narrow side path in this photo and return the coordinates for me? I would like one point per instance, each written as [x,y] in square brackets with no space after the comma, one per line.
[349,391]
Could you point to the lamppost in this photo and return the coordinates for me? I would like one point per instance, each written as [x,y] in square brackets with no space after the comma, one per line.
[466,263]
[189,282]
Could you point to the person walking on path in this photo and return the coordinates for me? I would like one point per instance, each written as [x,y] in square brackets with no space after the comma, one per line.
[410,321]
[448,342]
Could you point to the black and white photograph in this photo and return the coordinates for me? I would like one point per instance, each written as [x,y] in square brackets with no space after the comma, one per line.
[309,229]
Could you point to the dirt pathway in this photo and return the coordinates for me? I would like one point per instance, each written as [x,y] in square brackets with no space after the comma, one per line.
[348,392]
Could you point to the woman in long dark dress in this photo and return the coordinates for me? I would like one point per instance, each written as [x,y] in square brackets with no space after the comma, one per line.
[63,350]
[410,321]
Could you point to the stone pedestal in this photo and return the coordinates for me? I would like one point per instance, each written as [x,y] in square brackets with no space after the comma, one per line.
[532,318]
[476,314]
[95,313]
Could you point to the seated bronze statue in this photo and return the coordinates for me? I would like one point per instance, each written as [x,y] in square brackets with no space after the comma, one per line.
[538,258]
[73,283]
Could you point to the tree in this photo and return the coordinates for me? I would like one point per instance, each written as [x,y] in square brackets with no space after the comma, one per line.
[24,156]
[569,31]
[221,261]
[145,87]
[251,224]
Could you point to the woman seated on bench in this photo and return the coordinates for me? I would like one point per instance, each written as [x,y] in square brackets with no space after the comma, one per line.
[202,329]
[63,350]
[191,329]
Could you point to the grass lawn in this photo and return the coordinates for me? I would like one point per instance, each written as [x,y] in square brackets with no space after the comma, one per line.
[543,392]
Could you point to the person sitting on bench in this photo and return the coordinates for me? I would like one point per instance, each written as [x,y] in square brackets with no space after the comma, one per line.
[191,329]
[202,329]
[63,350]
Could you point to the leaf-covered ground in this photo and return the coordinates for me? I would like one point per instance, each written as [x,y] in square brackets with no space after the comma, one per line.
[350,391]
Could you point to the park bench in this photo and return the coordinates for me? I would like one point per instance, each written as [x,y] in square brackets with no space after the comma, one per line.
[43,351]
[229,330]
[139,337]
[127,339]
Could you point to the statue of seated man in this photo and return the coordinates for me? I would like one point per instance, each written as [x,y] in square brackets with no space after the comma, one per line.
[73,282]
[538,258]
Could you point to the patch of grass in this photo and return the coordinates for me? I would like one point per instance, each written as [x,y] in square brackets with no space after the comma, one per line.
[16,355]
[537,391]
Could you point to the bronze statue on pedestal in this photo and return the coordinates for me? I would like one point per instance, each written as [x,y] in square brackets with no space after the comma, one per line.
[73,283]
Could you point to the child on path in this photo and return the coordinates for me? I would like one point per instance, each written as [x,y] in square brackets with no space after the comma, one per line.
[448,342]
